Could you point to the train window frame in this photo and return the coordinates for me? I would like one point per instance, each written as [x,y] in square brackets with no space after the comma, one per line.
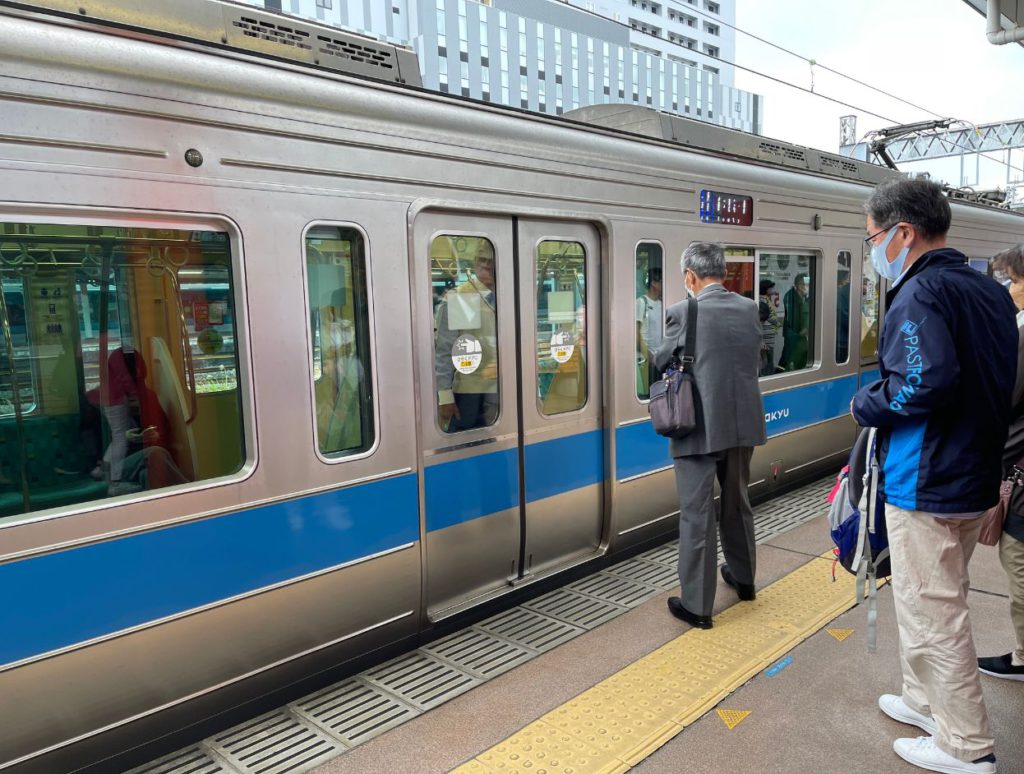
[499,416]
[816,263]
[664,307]
[879,298]
[141,518]
[338,458]
[849,306]
[589,388]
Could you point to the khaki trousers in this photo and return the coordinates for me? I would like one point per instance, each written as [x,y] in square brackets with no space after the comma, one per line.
[1011,554]
[930,555]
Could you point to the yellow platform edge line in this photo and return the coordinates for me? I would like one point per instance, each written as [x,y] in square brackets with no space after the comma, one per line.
[627,717]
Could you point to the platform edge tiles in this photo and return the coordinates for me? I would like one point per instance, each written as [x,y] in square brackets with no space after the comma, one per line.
[624,719]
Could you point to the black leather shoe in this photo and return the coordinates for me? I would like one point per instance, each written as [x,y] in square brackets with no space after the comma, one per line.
[675,606]
[744,590]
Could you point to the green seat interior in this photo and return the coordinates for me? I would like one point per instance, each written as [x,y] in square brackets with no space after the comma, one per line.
[55,463]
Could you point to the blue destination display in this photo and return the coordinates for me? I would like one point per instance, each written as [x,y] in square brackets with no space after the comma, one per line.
[726,208]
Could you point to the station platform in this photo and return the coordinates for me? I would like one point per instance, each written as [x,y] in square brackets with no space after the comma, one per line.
[597,676]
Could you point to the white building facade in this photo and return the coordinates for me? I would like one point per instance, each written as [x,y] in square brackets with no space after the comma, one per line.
[553,56]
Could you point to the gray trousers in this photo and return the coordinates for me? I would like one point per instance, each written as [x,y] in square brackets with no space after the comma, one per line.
[699,524]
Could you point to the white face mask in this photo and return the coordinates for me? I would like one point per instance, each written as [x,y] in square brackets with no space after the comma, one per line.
[894,270]
[342,333]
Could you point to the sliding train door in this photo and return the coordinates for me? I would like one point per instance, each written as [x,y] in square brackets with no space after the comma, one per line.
[510,407]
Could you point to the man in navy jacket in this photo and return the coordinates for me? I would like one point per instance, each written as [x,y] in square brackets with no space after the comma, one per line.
[947,357]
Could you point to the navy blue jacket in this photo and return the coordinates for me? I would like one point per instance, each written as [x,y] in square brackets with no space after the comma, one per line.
[948,358]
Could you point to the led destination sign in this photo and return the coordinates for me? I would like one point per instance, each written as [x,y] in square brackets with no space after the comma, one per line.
[726,208]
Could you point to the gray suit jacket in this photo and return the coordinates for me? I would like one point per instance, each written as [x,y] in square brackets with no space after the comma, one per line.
[730,411]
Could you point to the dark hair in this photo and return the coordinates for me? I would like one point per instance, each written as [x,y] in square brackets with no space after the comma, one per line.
[766,285]
[654,275]
[1010,260]
[919,202]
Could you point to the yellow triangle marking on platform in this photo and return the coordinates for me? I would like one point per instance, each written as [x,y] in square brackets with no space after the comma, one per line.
[732,718]
[840,634]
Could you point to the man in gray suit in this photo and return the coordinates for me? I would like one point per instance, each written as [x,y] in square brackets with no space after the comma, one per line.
[730,423]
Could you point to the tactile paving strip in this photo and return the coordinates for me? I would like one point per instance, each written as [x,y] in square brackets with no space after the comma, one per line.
[327,723]
[622,720]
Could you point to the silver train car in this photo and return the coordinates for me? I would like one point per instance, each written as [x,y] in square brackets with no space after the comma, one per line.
[242,285]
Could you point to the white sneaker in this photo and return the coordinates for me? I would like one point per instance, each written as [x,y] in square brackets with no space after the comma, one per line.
[923,752]
[894,706]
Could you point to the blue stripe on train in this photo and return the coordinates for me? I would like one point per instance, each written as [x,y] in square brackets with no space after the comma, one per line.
[638,449]
[67,597]
[453,495]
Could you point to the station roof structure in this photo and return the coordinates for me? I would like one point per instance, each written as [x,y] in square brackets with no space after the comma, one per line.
[1011,13]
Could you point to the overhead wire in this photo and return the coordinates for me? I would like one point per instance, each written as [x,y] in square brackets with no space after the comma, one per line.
[967,149]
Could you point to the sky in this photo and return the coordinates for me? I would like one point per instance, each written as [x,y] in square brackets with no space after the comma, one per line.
[931,52]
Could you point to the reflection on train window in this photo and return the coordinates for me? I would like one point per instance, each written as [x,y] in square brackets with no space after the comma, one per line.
[340,337]
[843,266]
[650,314]
[870,297]
[118,369]
[739,271]
[561,326]
[787,328]
[462,279]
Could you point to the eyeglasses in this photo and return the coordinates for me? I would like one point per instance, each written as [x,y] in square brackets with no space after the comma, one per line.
[869,241]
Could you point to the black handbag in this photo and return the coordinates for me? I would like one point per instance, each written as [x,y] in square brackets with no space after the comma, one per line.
[673,397]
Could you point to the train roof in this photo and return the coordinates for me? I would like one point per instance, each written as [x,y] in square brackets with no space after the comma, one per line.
[240,29]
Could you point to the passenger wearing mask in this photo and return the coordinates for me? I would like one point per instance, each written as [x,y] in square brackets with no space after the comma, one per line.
[941,406]
[730,423]
[1010,666]
[468,317]
[796,325]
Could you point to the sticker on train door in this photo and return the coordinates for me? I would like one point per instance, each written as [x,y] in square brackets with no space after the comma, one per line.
[562,346]
[467,354]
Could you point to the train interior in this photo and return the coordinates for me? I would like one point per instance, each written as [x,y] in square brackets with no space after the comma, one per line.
[118,368]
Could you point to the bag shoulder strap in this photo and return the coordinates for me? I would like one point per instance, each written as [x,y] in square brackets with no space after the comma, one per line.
[689,349]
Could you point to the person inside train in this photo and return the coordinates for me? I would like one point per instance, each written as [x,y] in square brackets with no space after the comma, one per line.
[1010,666]
[136,457]
[942,404]
[795,325]
[467,396]
[769,317]
[338,390]
[730,424]
[649,326]
[843,316]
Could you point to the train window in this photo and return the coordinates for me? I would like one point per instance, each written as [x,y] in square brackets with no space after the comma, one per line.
[650,314]
[788,342]
[843,265]
[340,340]
[561,283]
[739,271]
[463,288]
[118,370]
[870,298]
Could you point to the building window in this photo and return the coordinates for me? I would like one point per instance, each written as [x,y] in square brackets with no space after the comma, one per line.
[323,4]
[711,7]
[711,50]
[711,29]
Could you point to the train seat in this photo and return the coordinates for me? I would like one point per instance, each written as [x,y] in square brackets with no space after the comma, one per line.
[55,463]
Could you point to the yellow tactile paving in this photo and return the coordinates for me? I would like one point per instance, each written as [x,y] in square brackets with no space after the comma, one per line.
[840,634]
[622,720]
[732,718]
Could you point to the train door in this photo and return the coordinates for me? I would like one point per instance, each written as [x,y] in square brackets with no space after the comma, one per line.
[510,421]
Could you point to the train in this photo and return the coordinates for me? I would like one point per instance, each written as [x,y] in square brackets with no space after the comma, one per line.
[303,362]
